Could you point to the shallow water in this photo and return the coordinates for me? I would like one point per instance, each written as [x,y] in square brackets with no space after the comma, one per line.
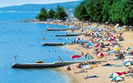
[23,41]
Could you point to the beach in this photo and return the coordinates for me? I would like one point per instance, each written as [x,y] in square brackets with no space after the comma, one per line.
[101,71]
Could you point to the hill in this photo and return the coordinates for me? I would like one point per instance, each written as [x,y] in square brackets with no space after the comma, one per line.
[37,7]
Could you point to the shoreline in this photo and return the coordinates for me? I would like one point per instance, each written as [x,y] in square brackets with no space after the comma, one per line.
[79,78]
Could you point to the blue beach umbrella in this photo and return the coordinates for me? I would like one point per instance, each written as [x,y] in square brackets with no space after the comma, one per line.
[125,62]
[89,44]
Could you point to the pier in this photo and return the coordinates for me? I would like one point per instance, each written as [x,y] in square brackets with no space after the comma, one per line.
[53,44]
[68,35]
[62,29]
[49,65]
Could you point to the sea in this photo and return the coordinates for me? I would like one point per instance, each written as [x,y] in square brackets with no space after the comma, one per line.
[21,42]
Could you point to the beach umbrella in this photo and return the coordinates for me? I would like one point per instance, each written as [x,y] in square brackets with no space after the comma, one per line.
[75,56]
[131,53]
[129,63]
[125,62]
[89,44]
[98,45]
[113,75]
[109,38]
[92,33]
[118,78]
[88,57]
[100,54]
[95,39]
[109,44]
[116,48]
[128,48]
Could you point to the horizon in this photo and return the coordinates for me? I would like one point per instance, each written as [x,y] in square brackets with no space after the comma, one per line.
[24,2]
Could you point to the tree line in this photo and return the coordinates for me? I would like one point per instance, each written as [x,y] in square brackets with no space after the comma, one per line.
[112,11]
[59,14]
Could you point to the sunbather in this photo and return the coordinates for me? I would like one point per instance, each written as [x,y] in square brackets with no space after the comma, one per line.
[81,71]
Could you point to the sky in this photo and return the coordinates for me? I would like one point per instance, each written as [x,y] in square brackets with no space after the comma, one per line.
[5,3]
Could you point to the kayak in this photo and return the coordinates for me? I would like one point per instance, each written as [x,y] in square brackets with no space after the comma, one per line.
[75,56]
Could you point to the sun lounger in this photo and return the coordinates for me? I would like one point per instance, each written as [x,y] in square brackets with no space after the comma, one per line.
[108,64]
[90,76]
[81,71]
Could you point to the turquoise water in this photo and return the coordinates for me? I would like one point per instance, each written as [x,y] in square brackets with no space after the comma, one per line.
[24,40]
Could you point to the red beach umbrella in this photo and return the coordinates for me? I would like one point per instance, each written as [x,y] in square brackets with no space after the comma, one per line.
[100,54]
[75,56]
[98,45]
[109,44]
[119,73]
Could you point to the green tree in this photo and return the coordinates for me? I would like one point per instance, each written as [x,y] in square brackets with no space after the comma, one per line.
[81,13]
[51,14]
[61,14]
[42,16]
[114,11]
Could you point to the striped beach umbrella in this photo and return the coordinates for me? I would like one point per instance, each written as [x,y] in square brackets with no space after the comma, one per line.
[100,54]
[127,63]
[131,53]
[88,57]
[95,39]
[113,75]
[98,45]
[109,44]
[118,78]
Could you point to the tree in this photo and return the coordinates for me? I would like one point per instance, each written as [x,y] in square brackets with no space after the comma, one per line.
[114,11]
[51,14]
[61,14]
[42,16]
[81,13]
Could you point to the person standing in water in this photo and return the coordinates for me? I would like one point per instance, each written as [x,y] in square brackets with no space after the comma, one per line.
[60,59]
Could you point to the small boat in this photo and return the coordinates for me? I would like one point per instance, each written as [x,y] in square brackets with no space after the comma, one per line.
[39,61]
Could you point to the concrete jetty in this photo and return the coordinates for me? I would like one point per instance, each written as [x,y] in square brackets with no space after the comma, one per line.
[53,44]
[62,29]
[49,65]
[68,35]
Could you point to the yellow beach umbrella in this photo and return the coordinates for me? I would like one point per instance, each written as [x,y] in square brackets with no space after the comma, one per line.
[89,31]
[116,48]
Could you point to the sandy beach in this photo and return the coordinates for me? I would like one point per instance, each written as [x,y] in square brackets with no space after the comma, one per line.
[101,71]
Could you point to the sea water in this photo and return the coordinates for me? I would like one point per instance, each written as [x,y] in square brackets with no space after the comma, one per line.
[21,42]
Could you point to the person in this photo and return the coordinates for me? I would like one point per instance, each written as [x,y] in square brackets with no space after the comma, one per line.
[82,54]
[68,68]
[108,49]
[86,56]
[60,59]
[96,50]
